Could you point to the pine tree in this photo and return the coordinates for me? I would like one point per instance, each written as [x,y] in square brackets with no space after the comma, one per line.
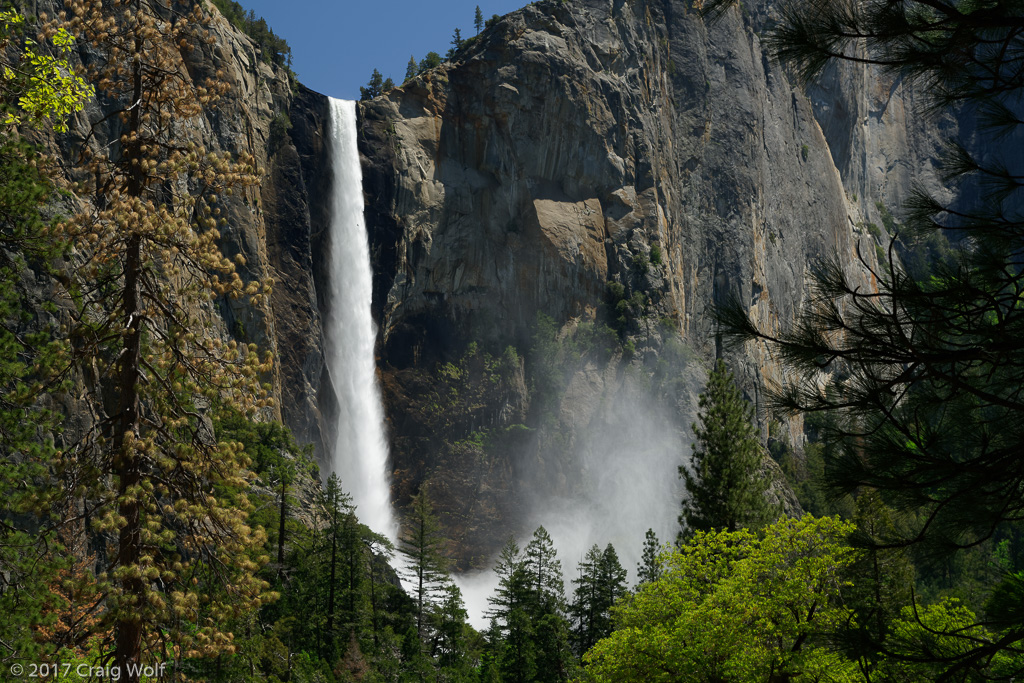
[545,606]
[342,570]
[157,482]
[544,573]
[422,544]
[374,88]
[648,570]
[724,491]
[478,20]
[509,589]
[601,583]
[410,69]
[586,601]
[457,43]
[449,645]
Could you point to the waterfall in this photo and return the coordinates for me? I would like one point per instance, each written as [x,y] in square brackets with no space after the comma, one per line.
[360,456]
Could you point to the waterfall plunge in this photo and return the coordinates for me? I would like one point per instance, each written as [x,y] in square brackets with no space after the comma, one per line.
[360,456]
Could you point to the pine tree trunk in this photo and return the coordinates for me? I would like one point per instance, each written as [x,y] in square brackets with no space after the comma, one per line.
[280,529]
[127,463]
[330,592]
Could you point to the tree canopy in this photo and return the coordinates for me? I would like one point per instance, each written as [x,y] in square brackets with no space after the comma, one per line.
[732,605]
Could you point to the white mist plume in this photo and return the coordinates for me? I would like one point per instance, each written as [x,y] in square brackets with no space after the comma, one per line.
[629,453]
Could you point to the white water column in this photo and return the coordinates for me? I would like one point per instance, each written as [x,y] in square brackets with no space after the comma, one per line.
[360,456]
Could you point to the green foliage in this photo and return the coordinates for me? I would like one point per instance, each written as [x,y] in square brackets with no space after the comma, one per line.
[933,641]
[725,489]
[528,612]
[731,605]
[655,254]
[493,21]
[270,445]
[44,85]
[431,61]
[804,151]
[601,583]
[881,582]
[375,88]
[648,570]
[925,376]
[279,127]
[640,263]
[39,517]
[883,259]
[553,358]
[410,69]
[457,44]
[478,20]
[427,568]
[273,48]
[623,311]
[887,219]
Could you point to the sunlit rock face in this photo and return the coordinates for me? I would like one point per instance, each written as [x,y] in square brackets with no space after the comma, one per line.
[550,157]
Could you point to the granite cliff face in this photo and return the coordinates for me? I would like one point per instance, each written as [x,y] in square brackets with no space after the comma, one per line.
[552,215]
[572,146]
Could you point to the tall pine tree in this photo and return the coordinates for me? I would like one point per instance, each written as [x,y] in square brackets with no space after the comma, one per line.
[725,489]
[158,484]
[422,544]
[601,583]
[648,570]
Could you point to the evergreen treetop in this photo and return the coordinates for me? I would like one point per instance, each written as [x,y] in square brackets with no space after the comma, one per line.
[725,489]
[649,568]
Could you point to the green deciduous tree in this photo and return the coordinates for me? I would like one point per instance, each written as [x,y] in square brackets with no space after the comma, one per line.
[39,79]
[725,489]
[734,606]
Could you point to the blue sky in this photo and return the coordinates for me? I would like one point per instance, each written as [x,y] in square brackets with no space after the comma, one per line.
[337,44]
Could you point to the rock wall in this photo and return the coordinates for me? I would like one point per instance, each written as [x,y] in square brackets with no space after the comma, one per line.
[553,215]
[577,144]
